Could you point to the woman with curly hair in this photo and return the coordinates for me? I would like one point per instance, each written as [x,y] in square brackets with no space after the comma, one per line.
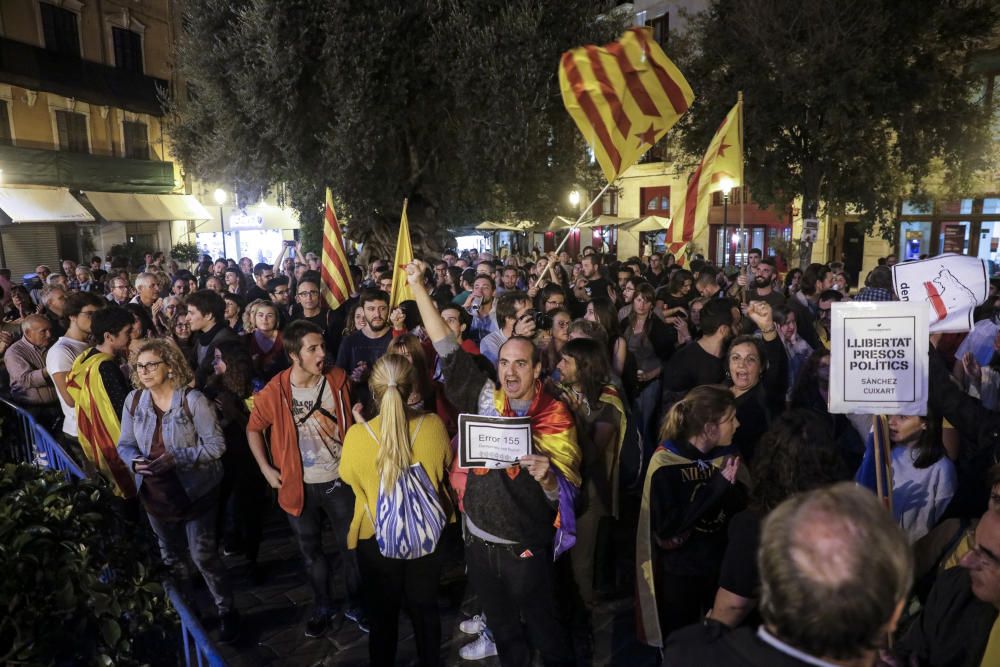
[797,454]
[243,491]
[172,441]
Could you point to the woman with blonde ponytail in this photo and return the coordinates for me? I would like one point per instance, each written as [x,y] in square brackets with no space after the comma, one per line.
[690,493]
[381,458]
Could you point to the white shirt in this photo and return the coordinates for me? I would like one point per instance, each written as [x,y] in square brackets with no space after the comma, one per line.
[60,359]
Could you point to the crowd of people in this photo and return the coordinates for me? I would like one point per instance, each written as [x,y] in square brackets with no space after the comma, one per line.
[682,449]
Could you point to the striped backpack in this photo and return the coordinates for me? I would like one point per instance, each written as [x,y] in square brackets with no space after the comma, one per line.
[409,518]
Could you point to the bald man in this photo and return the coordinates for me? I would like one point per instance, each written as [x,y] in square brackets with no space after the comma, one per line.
[835,574]
[30,384]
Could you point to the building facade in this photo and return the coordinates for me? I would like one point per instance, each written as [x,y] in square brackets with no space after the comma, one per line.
[85,162]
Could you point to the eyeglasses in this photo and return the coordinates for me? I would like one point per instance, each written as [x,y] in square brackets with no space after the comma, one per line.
[282,292]
[148,367]
[554,302]
[310,292]
[985,556]
[120,287]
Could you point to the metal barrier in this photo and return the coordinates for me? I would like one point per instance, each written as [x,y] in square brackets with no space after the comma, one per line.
[36,445]
[194,639]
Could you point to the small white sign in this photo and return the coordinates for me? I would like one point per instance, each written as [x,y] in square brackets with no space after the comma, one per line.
[810,230]
[492,442]
[878,358]
[951,285]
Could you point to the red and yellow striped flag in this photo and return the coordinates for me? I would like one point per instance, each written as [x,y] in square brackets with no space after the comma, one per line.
[624,97]
[723,159]
[336,274]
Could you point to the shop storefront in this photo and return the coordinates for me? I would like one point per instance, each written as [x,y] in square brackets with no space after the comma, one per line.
[966,226]
[256,232]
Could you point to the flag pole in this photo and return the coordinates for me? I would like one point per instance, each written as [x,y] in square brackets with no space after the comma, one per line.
[576,225]
[743,239]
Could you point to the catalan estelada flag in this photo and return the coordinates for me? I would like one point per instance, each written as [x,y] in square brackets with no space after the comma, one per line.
[624,97]
[723,159]
[334,270]
[404,255]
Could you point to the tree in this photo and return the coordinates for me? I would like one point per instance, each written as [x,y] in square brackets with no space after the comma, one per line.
[454,105]
[849,103]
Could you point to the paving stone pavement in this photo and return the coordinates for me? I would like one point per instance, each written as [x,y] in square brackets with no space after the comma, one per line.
[274,614]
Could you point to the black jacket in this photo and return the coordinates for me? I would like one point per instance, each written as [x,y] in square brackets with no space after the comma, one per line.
[954,626]
[712,643]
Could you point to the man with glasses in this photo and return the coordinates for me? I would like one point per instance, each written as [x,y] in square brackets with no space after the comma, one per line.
[80,309]
[118,291]
[959,625]
[280,292]
[262,274]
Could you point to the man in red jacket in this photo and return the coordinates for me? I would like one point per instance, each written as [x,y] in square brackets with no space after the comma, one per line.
[308,412]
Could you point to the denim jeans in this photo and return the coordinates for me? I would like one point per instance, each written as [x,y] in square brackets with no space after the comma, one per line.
[335,500]
[201,545]
[646,408]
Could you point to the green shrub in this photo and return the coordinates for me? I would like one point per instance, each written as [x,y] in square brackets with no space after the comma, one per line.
[78,584]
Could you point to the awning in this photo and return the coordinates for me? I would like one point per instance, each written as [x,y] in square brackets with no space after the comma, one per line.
[42,205]
[521,226]
[607,221]
[127,207]
[556,224]
[650,223]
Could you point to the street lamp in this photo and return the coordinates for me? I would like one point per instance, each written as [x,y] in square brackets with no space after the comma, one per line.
[727,185]
[574,198]
[220,199]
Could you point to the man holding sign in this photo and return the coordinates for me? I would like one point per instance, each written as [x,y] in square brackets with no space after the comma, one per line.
[510,516]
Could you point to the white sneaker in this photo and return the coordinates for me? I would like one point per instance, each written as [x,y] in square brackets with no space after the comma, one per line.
[479,649]
[474,625]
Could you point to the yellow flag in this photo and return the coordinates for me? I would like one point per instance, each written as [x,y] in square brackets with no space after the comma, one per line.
[404,255]
[723,160]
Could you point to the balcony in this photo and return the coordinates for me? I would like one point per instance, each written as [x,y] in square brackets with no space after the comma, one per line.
[30,166]
[38,69]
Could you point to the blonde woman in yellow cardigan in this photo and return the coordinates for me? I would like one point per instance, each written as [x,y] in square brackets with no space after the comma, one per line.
[398,461]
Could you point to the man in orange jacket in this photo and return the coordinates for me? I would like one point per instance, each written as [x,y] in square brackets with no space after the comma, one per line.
[308,412]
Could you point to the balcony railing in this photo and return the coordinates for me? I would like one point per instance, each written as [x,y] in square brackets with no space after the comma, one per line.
[33,166]
[42,70]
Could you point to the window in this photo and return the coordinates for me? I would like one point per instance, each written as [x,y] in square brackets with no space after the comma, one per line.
[128,50]
[661,29]
[6,138]
[72,130]
[136,141]
[60,30]
[736,195]
[655,201]
[608,204]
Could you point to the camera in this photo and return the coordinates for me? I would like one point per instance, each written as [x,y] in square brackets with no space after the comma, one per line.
[542,321]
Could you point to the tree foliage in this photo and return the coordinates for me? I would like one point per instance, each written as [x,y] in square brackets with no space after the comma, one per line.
[453,105]
[855,103]
[79,585]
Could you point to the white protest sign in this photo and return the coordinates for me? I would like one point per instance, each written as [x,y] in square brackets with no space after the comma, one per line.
[492,442]
[951,285]
[878,358]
